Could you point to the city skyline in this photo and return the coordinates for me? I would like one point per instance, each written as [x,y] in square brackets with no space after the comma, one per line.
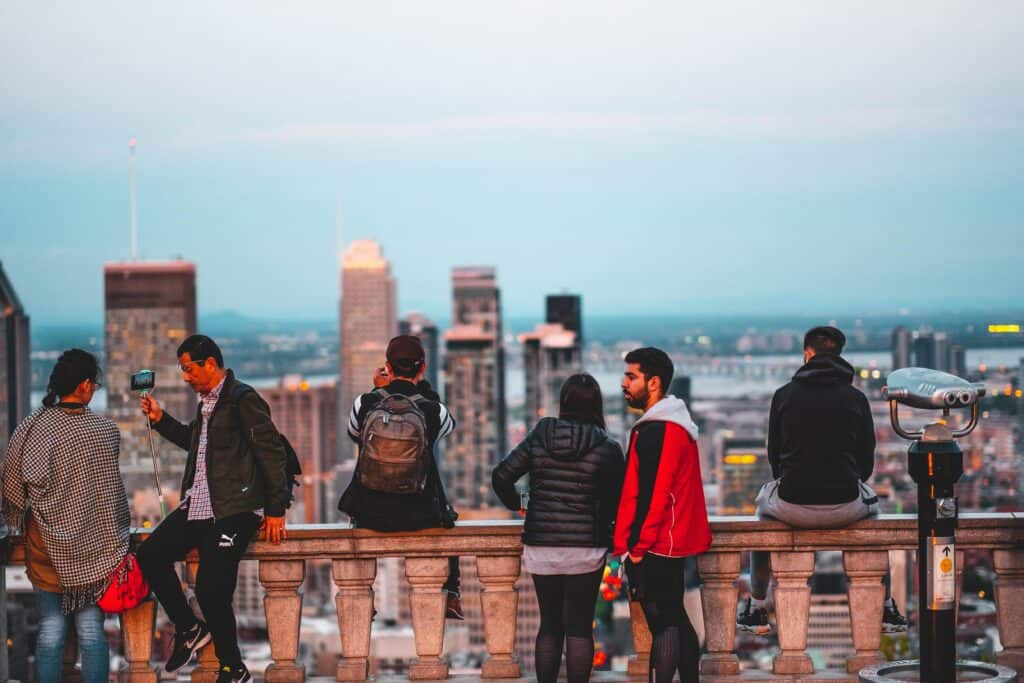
[666,174]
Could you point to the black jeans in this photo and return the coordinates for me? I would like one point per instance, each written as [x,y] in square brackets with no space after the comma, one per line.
[221,544]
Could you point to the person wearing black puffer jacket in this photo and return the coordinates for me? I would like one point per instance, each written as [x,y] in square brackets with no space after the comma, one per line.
[576,472]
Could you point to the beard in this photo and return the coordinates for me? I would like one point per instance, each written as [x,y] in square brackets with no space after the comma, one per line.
[637,401]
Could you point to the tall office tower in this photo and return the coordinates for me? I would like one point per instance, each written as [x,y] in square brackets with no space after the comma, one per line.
[941,351]
[368,318]
[550,356]
[15,365]
[150,307]
[680,388]
[958,360]
[474,387]
[308,416]
[566,309]
[423,327]
[924,350]
[900,348]
[742,468]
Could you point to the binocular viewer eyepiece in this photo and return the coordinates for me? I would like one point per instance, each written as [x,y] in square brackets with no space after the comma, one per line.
[931,390]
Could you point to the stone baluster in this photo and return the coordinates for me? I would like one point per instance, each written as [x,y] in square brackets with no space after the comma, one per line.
[137,630]
[1009,568]
[792,610]
[640,662]
[718,600]
[354,601]
[866,593]
[426,577]
[69,673]
[499,602]
[206,670]
[282,605]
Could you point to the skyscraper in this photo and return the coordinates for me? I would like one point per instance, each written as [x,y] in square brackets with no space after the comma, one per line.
[308,416]
[924,350]
[550,356]
[423,327]
[958,360]
[743,467]
[15,366]
[900,348]
[474,386]
[150,307]
[367,317]
[941,351]
[566,309]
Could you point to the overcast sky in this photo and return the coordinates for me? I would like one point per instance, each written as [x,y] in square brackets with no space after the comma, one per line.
[655,157]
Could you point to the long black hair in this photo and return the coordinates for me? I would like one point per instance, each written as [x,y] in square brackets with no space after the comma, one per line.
[581,400]
[73,367]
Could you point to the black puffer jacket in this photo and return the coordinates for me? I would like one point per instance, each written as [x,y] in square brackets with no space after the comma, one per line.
[576,473]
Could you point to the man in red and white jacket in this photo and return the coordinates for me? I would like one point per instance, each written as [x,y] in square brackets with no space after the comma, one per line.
[662,516]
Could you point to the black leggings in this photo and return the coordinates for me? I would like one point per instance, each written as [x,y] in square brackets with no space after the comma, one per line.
[674,644]
[566,615]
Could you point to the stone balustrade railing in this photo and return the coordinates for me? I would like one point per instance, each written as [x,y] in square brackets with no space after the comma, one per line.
[496,546]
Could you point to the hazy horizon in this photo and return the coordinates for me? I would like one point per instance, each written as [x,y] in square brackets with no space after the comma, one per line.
[655,158]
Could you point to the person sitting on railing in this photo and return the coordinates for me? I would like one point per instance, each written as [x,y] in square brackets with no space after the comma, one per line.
[63,491]
[821,447]
[235,483]
[396,485]
[663,518]
[576,472]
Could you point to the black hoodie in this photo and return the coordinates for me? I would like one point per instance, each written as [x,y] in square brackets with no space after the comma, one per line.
[821,438]
[576,473]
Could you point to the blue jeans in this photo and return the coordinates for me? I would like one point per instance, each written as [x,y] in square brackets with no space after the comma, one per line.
[53,627]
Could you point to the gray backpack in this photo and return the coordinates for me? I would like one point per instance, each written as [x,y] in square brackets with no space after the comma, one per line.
[393,452]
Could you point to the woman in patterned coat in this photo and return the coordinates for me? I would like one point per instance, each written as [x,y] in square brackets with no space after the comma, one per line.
[62,490]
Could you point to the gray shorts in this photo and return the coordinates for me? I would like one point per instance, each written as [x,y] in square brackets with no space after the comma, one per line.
[769,504]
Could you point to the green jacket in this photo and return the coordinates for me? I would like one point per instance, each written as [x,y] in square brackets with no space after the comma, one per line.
[245,461]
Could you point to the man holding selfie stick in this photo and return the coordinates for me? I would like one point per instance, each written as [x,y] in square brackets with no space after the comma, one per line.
[235,483]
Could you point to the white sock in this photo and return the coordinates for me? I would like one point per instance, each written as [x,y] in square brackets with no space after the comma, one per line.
[757,604]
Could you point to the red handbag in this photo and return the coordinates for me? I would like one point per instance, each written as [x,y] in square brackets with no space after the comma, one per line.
[127,587]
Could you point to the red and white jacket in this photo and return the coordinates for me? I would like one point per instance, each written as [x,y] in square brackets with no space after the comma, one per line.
[662,510]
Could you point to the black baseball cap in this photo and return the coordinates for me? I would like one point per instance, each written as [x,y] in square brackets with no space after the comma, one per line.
[405,353]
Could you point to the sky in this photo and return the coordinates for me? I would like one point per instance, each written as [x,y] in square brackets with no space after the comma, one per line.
[670,158]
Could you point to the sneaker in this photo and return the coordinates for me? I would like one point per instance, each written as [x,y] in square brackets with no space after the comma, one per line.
[453,608]
[185,645]
[233,674]
[892,620]
[753,620]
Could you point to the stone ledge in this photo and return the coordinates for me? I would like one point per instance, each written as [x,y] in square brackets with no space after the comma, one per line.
[738,533]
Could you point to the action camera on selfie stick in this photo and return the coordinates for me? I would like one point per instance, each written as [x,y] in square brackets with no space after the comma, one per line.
[935,464]
[143,381]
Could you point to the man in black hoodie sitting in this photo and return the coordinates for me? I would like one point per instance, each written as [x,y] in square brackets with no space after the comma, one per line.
[821,447]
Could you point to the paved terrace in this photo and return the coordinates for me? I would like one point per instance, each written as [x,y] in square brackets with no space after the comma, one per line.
[497,547]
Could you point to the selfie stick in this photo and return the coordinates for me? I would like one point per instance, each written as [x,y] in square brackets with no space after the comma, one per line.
[156,471]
